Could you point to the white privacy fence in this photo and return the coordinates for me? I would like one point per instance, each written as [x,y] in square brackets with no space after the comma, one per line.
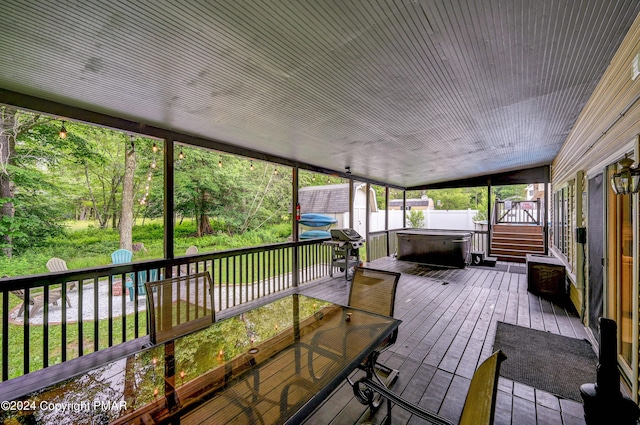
[433,219]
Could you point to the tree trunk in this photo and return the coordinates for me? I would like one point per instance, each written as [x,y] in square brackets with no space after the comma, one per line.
[126,217]
[96,210]
[7,149]
[204,227]
[130,386]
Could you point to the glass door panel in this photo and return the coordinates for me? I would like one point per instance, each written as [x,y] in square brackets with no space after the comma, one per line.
[620,271]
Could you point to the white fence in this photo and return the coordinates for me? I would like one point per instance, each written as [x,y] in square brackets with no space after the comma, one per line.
[433,219]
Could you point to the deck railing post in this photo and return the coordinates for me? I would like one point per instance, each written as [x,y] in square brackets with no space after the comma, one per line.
[168,204]
[295,255]
[367,221]
[386,218]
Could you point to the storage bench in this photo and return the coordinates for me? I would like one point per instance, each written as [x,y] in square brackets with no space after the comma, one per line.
[546,277]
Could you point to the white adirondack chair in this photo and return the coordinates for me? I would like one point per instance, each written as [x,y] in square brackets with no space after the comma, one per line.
[59,265]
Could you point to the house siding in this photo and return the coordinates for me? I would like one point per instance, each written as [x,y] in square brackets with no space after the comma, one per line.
[607,129]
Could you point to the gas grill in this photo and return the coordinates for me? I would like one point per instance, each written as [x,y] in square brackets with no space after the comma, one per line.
[345,250]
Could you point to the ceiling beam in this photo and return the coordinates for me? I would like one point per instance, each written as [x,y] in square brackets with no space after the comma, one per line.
[525,176]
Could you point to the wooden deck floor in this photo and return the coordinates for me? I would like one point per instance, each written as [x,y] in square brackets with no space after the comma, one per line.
[449,323]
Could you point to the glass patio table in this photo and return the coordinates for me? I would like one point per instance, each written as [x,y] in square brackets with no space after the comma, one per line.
[261,366]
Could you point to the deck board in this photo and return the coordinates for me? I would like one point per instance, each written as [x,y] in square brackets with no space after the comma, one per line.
[449,319]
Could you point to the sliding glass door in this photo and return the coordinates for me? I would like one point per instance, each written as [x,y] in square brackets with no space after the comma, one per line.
[621,290]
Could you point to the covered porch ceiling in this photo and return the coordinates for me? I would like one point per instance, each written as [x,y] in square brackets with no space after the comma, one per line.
[409,93]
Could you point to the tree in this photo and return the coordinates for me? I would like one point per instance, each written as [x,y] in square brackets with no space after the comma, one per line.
[202,191]
[416,218]
[100,165]
[126,217]
[106,162]
[27,193]
[8,133]
[510,191]
[238,196]
[272,193]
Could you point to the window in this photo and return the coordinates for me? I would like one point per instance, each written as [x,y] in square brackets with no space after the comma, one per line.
[564,220]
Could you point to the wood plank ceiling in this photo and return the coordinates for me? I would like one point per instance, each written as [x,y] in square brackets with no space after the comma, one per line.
[404,92]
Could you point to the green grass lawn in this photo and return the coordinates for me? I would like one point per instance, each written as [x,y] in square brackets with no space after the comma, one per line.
[84,246]
[71,345]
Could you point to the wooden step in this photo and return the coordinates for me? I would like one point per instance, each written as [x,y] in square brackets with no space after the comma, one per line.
[516,228]
[515,251]
[513,242]
[515,235]
[522,245]
[517,239]
[511,258]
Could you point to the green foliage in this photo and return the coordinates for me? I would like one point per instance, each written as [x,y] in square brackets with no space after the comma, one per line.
[415,218]
[79,177]
[234,197]
[457,199]
[92,246]
[517,191]
[309,178]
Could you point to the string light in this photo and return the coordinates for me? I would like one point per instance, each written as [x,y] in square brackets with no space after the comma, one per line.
[251,167]
[143,201]
[181,154]
[275,171]
[152,166]
[63,131]
[220,162]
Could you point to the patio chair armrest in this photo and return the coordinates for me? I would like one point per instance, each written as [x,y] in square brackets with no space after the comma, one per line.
[479,405]
[364,388]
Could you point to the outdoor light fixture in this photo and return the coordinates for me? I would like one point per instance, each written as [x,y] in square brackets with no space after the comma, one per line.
[63,131]
[626,180]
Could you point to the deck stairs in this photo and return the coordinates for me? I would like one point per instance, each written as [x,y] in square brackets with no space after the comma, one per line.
[512,242]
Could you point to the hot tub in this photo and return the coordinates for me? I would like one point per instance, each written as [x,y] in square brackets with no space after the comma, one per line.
[438,247]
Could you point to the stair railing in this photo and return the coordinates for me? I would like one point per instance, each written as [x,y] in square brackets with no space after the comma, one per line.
[518,212]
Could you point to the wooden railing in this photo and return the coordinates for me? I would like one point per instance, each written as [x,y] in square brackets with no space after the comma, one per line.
[480,241]
[518,212]
[378,244]
[95,318]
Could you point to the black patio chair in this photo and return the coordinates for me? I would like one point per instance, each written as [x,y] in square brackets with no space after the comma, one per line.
[373,291]
[179,305]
